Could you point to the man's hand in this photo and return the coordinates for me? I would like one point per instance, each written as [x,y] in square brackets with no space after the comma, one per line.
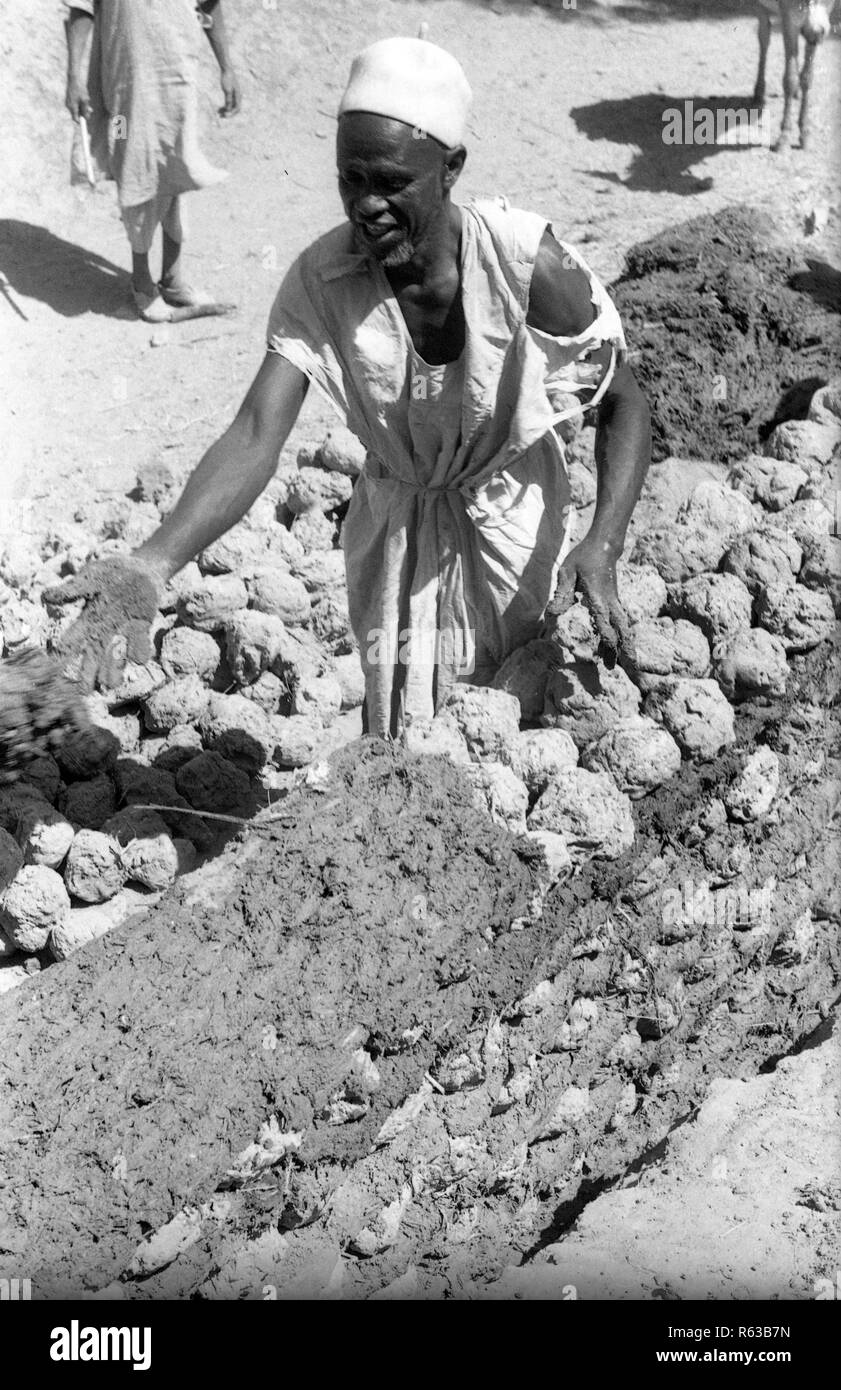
[121,599]
[590,570]
[213,22]
[231,93]
[79,30]
[77,99]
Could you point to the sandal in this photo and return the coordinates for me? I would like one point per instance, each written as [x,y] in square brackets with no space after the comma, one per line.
[151,308]
[184,296]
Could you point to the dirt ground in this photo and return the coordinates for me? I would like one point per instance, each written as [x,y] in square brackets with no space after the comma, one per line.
[751,1238]
[567,120]
[390,937]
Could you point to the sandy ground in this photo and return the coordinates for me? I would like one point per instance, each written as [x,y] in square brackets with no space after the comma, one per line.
[743,1204]
[568,121]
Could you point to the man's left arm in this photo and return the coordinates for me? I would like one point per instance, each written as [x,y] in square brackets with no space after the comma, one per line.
[218,38]
[561,304]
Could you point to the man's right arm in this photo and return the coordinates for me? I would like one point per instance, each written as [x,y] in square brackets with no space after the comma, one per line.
[78,29]
[121,593]
[233,472]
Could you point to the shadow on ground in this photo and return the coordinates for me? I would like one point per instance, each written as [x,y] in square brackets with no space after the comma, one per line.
[642,11]
[37,264]
[660,167]
[822,282]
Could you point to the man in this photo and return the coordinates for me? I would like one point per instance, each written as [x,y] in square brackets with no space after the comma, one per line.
[438,332]
[138,92]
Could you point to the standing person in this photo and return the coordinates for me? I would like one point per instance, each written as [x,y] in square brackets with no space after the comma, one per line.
[139,94]
[438,332]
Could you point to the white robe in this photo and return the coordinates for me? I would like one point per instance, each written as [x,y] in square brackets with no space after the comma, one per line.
[464,542]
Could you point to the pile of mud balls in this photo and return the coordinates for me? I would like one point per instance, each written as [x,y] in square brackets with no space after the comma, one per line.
[256,678]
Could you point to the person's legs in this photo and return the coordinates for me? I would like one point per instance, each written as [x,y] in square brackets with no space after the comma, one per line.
[174,227]
[174,288]
[171,298]
[141,222]
[141,276]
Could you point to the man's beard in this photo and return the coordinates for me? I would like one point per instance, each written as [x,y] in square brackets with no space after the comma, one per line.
[399,255]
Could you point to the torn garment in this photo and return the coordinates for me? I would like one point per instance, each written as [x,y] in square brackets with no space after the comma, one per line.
[459,519]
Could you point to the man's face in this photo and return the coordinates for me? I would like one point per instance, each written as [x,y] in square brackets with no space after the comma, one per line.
[392,184]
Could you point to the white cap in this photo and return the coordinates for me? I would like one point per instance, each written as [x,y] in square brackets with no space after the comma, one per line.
[413,81]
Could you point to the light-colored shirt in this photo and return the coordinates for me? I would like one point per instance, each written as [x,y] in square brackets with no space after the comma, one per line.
[455,531]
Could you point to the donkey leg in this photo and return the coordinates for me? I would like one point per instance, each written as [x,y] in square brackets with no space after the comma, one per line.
[814,29]
[764,40]
[791,85]
[805,87]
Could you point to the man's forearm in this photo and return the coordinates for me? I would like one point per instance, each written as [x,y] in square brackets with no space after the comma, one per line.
[218,493]
[233,472]
[623,455]
[217,34]
[79,26]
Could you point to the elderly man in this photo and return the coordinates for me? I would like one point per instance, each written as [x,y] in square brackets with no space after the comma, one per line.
[132,73]
[440,333]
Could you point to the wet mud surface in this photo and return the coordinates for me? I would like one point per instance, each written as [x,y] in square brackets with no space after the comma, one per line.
[379,944]
[40,711]
[732,332]
[372,907]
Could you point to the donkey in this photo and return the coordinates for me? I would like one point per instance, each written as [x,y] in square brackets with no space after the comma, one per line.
[811,19]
